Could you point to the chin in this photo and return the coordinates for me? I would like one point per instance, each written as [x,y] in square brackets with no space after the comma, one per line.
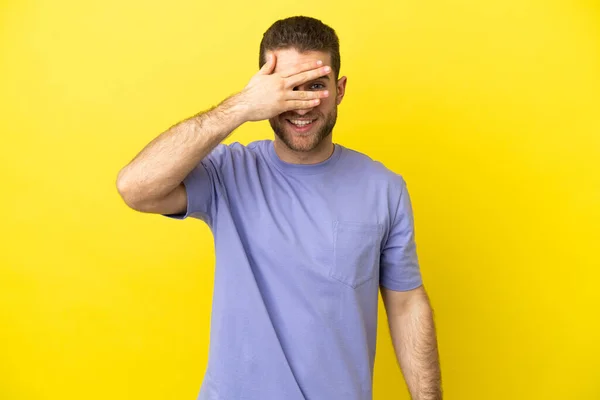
[302,147]
[305,142]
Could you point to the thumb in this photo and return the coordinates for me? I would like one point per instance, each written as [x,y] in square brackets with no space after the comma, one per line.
[269,66]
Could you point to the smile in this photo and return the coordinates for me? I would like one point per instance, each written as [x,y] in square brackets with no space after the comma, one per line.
[300,122]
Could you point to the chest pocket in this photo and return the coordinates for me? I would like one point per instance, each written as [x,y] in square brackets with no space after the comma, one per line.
[356,252]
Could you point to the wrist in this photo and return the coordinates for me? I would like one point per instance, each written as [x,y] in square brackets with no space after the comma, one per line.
[235,110]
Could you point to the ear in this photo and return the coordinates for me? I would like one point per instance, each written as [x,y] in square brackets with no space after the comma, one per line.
[341,89]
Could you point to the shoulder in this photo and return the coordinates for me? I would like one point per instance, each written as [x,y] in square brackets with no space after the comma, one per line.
[371,170]
[235,152]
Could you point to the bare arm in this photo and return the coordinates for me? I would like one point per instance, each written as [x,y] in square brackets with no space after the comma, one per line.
[413,334]
[152,181]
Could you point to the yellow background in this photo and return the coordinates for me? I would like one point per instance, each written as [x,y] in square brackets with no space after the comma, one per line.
[489,109]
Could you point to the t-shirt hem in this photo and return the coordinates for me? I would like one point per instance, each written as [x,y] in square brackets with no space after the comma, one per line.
[401,287]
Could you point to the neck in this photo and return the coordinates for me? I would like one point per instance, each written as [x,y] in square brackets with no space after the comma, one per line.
[319,154]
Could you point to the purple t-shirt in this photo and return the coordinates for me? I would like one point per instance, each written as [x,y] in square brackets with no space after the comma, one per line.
[300,253]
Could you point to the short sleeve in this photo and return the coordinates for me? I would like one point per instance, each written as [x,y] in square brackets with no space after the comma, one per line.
[203,186]
[399,268]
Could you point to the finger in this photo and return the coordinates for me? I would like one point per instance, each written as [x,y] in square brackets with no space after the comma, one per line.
[269,66]
[307,76]
[307,95]
[301,104]
[296,69]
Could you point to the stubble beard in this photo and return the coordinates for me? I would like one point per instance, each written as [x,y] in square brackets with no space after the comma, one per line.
[304,143]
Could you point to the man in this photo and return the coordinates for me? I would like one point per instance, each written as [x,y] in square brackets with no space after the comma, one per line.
[306,232]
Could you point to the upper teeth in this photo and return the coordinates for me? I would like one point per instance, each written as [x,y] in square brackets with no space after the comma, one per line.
[300,122]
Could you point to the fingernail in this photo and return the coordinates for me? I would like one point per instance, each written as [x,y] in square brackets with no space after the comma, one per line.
[327,69]
[319,62]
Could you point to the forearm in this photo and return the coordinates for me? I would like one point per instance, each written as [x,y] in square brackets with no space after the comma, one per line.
[414,338]
[163,164]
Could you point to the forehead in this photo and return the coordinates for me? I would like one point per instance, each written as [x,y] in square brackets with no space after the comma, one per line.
[287,58]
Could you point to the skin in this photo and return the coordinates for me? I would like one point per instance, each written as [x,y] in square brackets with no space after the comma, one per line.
[316,145]
[152,181]
[290,86]
[411,324]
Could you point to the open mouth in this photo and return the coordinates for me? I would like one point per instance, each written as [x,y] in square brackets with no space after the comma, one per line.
[300,125]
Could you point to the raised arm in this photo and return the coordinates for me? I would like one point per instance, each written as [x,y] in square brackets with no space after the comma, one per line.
[152,181]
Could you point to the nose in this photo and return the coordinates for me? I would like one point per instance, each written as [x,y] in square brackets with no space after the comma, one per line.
[303,112]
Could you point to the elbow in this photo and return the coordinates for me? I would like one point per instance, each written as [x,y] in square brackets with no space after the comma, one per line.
[129,191]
